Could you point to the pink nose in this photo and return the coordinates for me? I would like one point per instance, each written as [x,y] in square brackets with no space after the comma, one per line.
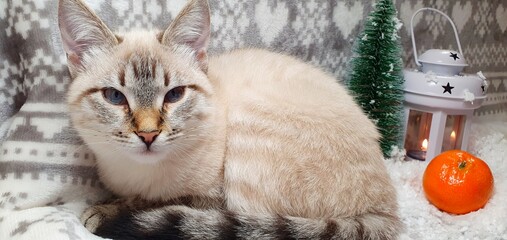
[148,137]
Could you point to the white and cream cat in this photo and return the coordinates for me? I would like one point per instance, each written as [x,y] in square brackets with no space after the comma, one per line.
[249,144]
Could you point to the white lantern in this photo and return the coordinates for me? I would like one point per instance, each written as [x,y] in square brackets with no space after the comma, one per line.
[439,100]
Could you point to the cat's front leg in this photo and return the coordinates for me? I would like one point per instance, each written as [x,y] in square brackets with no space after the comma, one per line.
[100,214]
[96,215]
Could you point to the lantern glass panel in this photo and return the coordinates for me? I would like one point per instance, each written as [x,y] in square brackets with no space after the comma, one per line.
[418,133]
[453,132]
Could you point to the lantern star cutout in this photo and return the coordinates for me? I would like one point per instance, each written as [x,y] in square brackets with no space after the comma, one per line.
[454,56]
[447,88]
[483,88]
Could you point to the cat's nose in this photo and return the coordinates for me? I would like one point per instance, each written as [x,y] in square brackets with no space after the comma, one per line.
[148,137]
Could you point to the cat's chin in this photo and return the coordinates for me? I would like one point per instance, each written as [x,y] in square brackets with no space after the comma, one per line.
[148,156]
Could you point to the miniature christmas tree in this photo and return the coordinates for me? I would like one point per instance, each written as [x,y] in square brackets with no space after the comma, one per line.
[375,73]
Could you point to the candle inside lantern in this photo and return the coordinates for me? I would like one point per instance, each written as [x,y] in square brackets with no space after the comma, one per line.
[424,145]
[449,142]
[453,139]
[419,154]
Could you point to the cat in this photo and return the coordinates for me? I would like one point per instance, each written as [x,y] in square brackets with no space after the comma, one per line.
[250,144]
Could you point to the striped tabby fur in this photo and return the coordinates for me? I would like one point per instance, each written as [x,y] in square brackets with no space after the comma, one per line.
[261,145]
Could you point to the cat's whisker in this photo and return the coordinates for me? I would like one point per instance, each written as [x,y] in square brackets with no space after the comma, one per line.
[88,132]
[81,147]
[192,137]
[115,150]
[172,138]
[96,143]
[180,150]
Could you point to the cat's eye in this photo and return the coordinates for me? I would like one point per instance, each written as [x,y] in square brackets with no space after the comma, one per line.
[114,96]
[174,94]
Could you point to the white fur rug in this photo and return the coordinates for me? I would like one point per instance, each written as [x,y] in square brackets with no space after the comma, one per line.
[424,221]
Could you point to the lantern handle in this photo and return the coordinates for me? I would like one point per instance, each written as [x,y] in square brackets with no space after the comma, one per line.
[412,29]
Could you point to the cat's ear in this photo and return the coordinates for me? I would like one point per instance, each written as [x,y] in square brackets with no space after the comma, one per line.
[191,28]
[81,31]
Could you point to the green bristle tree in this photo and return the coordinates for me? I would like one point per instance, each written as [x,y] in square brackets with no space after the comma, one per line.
[375,73]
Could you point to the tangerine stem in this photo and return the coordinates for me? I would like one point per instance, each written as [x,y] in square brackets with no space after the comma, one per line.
[462,165]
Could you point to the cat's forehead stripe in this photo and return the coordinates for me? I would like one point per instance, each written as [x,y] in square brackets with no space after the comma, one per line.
[166,78]
[143,68]
[121,77]
[135,70]
[154,68]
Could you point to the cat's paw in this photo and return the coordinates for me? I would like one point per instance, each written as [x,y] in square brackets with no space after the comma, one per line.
[96,215]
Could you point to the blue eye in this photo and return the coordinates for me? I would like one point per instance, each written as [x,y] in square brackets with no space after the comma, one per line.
[174,94]
[114,96]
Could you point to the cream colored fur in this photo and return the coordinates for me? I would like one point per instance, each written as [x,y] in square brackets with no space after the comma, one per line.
[262,132]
